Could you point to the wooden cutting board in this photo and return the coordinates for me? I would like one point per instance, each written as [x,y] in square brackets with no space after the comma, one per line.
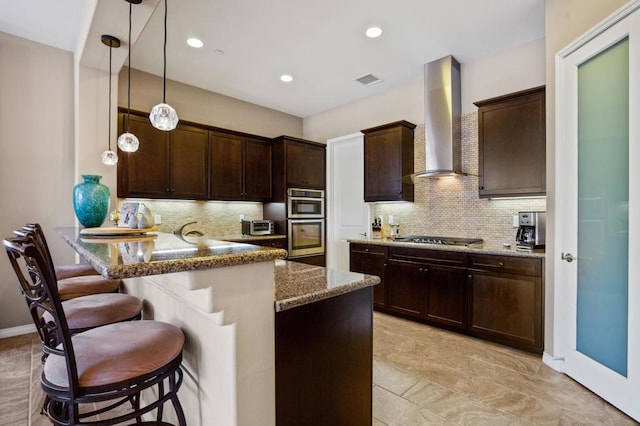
[114,239]
[116,231]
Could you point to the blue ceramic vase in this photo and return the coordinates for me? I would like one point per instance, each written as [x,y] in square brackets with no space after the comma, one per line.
[91,201]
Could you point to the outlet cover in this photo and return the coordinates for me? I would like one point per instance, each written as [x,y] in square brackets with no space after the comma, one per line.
[157,219]
[516,221]
[241,217]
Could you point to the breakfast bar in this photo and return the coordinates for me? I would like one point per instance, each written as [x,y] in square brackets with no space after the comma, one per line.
[240,307]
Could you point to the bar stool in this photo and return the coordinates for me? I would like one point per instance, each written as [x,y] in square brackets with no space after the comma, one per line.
[70,285]
[62,271]
[110,365]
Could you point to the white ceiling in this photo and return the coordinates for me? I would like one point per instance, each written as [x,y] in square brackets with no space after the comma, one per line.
[320,43]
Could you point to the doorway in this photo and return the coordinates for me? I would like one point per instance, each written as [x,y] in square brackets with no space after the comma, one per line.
[348,216]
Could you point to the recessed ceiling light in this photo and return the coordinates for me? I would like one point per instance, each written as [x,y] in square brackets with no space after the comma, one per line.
[286,78]
[194,42]
[373,32]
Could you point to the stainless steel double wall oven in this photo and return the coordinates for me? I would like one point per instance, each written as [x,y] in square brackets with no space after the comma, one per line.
[305,222]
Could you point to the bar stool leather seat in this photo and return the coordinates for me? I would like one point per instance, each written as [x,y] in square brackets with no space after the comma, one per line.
[86,312]
[85,285]
[74,270]
[139,348]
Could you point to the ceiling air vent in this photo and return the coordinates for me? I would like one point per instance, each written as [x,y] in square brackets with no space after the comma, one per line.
[368,80]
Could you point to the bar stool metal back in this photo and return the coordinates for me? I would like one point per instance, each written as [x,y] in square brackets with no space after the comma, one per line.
[110,365]
[62,271]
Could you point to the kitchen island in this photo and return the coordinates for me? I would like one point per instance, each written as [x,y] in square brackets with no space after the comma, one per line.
[228,298]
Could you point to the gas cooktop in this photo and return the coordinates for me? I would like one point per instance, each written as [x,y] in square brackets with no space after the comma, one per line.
[451,241]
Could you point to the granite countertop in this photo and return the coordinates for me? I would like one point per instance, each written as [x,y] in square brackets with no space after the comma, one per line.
[299,284]
[161,253]
[485,248]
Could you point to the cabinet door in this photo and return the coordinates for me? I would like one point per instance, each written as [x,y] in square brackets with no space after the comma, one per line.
[407,288]
[315,171]
[188,162]
[305,165]
[226,164]
[257,170]
[388,162]
[371,260]
[144,173]
[507,308]
[446,296]
[511,145]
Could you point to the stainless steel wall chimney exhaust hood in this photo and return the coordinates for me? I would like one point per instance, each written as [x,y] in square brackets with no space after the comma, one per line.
[442,118]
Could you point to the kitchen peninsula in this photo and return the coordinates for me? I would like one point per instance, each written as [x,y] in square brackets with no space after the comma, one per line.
[265,338]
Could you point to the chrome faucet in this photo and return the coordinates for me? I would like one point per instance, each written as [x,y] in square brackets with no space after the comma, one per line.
[179,231]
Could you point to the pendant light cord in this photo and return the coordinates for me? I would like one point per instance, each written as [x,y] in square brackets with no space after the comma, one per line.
[110,49]
[129,71]
[164,79]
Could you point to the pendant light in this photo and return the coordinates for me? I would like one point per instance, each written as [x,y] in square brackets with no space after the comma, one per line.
[109,157]
[128,142]
[163,116]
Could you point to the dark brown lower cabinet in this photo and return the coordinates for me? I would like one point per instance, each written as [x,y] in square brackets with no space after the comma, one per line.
[447,296]
[324,365]
[515,316]
[371,260]
[493,297]
[407,288]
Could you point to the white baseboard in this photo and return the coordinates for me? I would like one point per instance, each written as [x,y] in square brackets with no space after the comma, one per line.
[17,331]
[555,363]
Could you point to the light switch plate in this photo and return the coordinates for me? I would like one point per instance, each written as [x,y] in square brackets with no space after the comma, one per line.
[516,221]
[241,217]
[157,219]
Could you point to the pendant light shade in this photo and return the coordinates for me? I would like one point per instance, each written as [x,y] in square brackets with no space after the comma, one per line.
[128,142]
[109,157]
[163,116]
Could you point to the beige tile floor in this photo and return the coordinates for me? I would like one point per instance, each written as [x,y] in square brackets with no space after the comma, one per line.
[422,376]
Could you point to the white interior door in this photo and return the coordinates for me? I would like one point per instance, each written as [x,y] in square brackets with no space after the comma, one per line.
[349,214]
[598,209]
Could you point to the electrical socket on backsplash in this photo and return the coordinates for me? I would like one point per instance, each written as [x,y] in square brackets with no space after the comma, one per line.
[516,221]
[241,217]
[157,219]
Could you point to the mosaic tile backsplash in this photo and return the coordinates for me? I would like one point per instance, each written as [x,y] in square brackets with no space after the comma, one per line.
[450,206]
[214,218]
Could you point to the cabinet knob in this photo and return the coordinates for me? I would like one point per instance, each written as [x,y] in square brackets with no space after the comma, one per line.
[167,190]
[501,264]
[366,249]
[469,276]
[481,187]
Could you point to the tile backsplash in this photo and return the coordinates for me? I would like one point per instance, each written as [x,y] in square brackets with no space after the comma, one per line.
[450,206]
[214,218]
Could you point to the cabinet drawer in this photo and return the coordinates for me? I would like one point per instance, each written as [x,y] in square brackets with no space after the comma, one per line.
[369,248]
[442,257]
[507,264]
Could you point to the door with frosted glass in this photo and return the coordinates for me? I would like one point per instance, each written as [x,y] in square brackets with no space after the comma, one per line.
[597,277]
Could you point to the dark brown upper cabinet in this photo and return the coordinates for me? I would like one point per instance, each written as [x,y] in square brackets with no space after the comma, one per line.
[305,164]
[388,162]
[167,164]
[240,167]
[297,163]
[512,145]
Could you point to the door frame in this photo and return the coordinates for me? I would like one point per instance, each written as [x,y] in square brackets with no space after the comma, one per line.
[598,380]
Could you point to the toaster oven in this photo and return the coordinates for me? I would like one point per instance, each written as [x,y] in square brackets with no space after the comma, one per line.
[257,227]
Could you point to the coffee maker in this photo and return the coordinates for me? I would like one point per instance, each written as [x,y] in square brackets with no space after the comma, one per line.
[531,230]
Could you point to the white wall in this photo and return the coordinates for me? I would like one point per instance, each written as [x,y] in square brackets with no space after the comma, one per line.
[37,161]
[515,69]
[504,72]
[201,106]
